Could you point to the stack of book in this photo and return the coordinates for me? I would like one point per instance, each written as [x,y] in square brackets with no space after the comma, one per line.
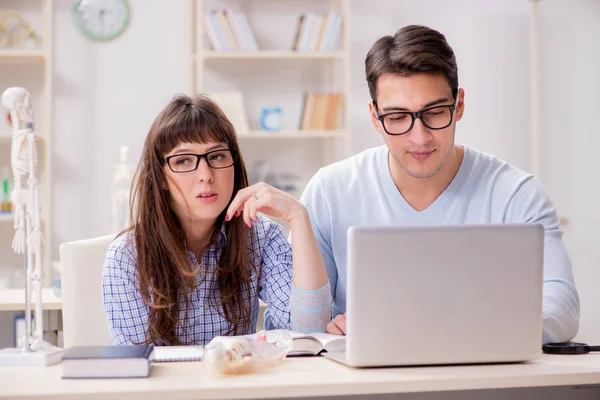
[317,32]
[321,111]
[229,30]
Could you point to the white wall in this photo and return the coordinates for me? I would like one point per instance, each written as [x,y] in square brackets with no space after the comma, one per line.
[485,35]
[107,94]
[570,83]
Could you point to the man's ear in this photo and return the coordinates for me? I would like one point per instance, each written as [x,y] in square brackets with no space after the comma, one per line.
[460,104]
[374,120]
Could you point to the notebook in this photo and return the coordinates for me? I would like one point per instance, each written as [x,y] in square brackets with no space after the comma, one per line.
[107,362]
[177,353]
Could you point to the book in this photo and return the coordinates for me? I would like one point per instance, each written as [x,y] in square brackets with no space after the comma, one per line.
[177,353]
[229,35]
[107,362]
[321,111]
[211,33]
[309,344]
[246,30]
[215,25]
[304,344]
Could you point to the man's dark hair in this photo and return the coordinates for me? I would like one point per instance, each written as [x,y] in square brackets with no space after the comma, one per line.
[413,49]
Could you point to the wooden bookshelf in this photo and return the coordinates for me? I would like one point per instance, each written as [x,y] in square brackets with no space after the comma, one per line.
[14,300]
[6,137]
[230,33]
[22,55]
[289,134]
[14,58]
[270,55]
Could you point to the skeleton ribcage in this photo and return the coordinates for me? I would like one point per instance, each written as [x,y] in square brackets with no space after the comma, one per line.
[21,161]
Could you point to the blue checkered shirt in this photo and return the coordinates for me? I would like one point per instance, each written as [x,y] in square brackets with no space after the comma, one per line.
[288,307]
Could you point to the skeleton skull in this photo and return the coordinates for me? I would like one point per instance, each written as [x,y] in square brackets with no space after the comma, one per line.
[16,99]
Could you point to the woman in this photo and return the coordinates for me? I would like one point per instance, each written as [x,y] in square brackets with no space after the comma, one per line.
[197,256]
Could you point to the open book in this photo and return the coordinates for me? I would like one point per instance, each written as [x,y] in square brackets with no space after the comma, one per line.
[308,344]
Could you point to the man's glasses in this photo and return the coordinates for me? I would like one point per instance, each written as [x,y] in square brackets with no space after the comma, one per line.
[401,122]
[189,162]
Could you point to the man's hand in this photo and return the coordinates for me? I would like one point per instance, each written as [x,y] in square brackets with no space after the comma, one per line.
[338,325]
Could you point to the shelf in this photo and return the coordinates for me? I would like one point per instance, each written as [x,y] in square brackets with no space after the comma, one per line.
[14,300]
[287,134]
[22,55]
[270,55]
[10,217]
[5,138]
[32,63]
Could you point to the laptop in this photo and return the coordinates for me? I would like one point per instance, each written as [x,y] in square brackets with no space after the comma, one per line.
[438,295]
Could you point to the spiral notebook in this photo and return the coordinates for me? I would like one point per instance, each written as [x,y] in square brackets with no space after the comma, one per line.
[177,353]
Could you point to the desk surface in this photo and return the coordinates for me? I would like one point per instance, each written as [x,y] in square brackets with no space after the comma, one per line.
[301,377]
[14,300]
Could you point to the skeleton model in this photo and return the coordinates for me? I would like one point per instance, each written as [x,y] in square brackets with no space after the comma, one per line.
[121,186]
[28,238]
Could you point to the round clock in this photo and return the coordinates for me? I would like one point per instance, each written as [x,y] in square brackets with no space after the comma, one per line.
[101,19]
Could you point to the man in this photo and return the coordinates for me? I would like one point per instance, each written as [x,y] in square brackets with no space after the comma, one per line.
[421,176]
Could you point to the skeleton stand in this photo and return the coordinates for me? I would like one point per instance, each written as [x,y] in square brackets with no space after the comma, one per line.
[28,236]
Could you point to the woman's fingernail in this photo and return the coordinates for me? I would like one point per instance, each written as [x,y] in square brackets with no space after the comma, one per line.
[227,217]
[249,226]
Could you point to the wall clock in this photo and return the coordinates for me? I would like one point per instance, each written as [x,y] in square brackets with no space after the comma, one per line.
[101,19]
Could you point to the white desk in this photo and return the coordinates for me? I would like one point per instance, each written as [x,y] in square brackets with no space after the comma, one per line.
[304,377]
[14,300]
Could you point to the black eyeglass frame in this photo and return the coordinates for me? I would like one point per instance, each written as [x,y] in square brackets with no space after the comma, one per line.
[198,158]
[417,114]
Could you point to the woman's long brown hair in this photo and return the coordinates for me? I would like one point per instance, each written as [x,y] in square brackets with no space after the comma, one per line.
[166,275]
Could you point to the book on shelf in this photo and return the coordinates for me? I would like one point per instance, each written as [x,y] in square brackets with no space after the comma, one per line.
[317,32]
[229,30]
[321,111]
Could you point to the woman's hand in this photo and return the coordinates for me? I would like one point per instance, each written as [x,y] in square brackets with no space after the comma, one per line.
[266,199]
[338,325]
[308,269]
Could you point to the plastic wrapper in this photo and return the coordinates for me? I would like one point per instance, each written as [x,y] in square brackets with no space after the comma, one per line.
[246,354]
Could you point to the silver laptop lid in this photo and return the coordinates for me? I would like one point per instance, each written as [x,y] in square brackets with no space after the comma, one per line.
[444,294]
